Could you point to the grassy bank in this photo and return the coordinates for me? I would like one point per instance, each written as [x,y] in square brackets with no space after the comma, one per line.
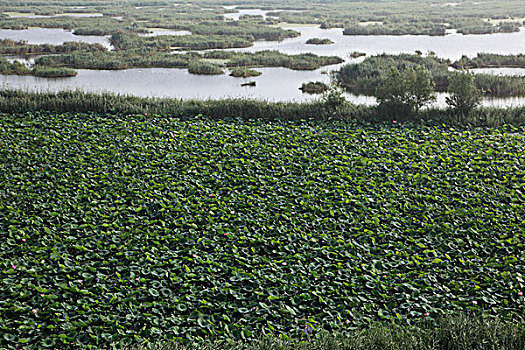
[78,101]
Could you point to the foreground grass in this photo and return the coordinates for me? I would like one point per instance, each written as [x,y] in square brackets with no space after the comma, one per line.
[16,101]
[450,333]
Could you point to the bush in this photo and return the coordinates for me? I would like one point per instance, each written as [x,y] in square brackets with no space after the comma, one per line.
[464,95]
[405,92]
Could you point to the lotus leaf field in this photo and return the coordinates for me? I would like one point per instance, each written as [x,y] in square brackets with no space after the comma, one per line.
[136,227]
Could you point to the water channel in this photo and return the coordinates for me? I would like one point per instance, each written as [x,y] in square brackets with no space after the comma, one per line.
[275,84]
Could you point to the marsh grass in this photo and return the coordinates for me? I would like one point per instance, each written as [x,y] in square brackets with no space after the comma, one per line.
[13,100]
[450,333]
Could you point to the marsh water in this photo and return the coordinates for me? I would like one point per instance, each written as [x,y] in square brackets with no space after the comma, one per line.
[275,84]
[55,36]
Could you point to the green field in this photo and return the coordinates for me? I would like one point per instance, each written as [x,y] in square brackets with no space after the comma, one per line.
[148,227]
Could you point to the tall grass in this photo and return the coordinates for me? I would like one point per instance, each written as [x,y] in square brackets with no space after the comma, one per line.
[450,333]
[12,100]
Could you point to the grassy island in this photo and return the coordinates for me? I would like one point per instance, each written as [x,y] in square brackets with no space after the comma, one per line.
[318,41]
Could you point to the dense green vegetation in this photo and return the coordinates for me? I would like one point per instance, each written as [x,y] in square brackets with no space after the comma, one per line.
[319,41]
[366,76]
[116,60]
[144,226]
[122,41]
[395,29]
[321,225]
[314,87]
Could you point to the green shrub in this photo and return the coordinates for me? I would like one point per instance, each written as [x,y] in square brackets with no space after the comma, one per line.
[464,95]
[405,92]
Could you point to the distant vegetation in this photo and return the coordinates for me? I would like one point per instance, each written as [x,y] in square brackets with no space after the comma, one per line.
[314,87]
[147,59]
[116,60]
[205,68]
[50,72]
[244,73]
[318,41]
[21,48]
[489,60]
[356,54]
[16,67]
[125,41]
[269,58]
[366,76]
[123,23]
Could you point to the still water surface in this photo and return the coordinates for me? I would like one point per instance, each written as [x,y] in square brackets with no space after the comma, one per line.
[276,84]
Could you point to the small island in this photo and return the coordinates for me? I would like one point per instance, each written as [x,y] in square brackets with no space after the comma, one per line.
[53,72]
[316,87]
[204,68]
[357,54]
[318,41]
[244,73]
